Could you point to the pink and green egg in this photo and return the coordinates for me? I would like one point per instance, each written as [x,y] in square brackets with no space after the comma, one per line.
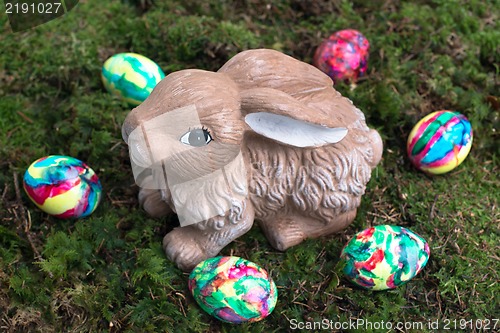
[233,289]
[384,257]
[62,186]
[440,142]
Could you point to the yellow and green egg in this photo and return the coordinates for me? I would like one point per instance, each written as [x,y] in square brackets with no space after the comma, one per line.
[131,76]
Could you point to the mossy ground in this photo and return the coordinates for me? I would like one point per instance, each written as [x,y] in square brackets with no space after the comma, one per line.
[108,272]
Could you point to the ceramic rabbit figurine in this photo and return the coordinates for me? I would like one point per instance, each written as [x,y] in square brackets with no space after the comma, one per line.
[265,138]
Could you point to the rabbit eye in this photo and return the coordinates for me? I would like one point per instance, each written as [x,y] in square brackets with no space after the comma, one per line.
[197,137]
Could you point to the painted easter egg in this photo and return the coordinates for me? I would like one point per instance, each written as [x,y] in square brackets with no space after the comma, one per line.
[233,289]
[343,56]
[384,257]
[439,142]
[62,186]
[131,76]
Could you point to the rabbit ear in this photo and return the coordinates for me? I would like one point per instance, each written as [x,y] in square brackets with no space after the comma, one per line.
[273,69]
[278,116]
[293,132]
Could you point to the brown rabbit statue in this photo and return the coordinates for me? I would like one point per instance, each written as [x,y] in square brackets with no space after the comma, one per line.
[264,138]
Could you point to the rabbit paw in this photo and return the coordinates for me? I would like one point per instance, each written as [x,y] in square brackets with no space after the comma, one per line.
[181,246]
[153,204]
[283,233]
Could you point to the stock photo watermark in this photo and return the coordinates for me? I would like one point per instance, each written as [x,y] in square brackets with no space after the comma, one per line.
[362,324]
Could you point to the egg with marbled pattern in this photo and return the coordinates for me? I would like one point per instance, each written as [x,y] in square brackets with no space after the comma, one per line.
[384,257]
[62,186]
[233,289]
[131,76]
[343,56]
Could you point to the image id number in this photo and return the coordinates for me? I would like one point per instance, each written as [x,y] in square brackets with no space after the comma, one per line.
[32,8]
[479,324]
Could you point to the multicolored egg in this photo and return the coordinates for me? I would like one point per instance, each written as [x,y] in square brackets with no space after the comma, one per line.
[384,257]
[343,56]
[62,186]
[131,76]
[233,289]
[439,142]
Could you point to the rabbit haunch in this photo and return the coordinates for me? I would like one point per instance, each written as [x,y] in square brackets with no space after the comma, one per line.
[321,182]
[305,153]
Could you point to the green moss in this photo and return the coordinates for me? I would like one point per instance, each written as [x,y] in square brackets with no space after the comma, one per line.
[108,271]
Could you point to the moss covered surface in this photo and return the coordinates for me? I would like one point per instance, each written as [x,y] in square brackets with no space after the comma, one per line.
[108,272]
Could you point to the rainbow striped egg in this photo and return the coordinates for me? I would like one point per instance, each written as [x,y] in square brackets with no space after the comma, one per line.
[131,76]
[439,142]
[233,289]
[384,257]
[62,186]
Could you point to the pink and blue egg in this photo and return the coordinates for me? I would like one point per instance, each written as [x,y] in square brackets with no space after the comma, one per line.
[440,142]
[343,56]
[62,186]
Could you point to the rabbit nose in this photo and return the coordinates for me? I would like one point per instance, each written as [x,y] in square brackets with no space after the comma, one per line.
[125,132]
[139,155]
[130,124]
